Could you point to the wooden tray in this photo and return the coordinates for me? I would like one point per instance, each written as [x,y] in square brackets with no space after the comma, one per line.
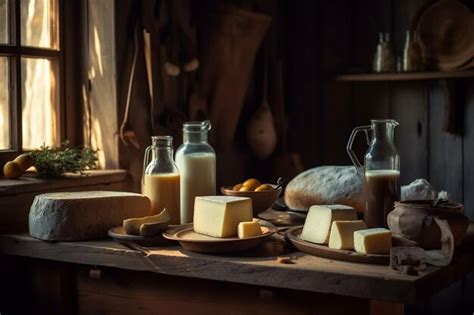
[293,236]
[120,236]
[196,242]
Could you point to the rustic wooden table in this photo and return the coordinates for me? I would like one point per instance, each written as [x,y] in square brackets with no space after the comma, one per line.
[276,287]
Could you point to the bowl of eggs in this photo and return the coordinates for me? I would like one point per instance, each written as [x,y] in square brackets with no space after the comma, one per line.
[263,195]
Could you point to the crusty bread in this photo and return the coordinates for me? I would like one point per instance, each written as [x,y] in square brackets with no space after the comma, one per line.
[325,185]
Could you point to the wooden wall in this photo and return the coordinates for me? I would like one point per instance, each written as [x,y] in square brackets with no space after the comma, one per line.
[349,33]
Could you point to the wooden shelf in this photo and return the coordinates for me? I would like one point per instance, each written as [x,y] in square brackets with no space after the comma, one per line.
[409,76]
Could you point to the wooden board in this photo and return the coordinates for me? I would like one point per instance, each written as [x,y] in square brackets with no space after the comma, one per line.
[445,153]
[293,235]
[409,76]
[409,107]
[30,183]
[468,146]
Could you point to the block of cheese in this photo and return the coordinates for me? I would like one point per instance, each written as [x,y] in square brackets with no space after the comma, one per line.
[317,225]
[373,241]
[219,216]
[342,234]
[86,215]
[249,229]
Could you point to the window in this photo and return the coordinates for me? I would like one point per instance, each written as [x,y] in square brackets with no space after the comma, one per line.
[31,62]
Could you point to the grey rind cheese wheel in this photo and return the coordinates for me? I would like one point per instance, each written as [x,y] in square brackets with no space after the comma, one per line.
[325,185]
[86,215]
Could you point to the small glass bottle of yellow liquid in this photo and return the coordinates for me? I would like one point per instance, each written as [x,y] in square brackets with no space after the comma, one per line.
[160,180]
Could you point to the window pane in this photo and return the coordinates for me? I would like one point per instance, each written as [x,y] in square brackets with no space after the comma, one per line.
[4,105]
[39,23]
[4,21]
[39,102]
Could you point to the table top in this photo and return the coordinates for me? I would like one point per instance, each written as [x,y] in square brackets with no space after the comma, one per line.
[307,273]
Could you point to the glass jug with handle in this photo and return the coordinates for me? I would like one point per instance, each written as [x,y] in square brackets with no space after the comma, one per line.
[380,172]
[160,180]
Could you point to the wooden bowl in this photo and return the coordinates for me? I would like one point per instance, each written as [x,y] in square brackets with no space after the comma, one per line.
[261,200]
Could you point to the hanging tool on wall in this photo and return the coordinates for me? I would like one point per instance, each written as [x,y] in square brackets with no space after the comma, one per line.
[179,38]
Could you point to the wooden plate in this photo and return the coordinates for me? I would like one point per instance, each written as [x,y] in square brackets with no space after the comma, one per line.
[293,236]
[196,242]
[120,236]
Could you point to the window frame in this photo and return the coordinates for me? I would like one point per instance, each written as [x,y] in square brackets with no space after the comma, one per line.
[14,51]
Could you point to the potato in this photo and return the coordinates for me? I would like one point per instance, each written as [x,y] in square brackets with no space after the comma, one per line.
[12,170]
[263,187]
[237,187]
[25,161]
[251,183]
[244,188]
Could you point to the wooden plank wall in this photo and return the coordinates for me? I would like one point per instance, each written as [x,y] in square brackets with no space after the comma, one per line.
[426,150]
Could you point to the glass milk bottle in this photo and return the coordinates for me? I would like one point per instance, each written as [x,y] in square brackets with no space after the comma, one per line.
[196,160]
[380,172]
[160,180]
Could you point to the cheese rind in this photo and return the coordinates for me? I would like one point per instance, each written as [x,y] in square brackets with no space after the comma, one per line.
[373,241]
[219,216]
[249,229]
[317,225]
[342,234]
[75,216]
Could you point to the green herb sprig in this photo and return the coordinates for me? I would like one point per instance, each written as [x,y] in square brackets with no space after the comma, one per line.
[55,161]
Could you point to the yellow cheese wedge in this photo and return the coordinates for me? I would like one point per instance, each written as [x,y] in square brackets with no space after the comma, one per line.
[219,216]
[317,225]
[342,234]
[249,229]
[132,225]
[373,241]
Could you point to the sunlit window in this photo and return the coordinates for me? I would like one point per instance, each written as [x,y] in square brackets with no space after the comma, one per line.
[39,96]
[4,108]
[29,56]
[39,23]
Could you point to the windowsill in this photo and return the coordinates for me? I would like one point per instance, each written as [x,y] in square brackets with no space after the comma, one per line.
[29,183]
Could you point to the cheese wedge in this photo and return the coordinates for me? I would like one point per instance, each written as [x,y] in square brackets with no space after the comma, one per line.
[132,225]
[317,225]
[219,216]
[373,241]
[249,229]
[342,234]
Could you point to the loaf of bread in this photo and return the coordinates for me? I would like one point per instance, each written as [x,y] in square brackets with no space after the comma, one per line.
[85,215]
[325,185]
